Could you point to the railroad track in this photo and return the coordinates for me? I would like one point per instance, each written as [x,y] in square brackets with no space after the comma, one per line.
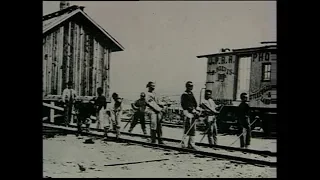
[206,150]
[228,148]
[167,124]
[254,133]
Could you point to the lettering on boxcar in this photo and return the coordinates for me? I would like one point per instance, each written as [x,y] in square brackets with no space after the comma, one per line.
[261,92]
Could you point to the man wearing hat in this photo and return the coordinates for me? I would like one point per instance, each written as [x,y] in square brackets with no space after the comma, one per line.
[189,106]
[154,111]
[139,106]
[243,114]
[68,97]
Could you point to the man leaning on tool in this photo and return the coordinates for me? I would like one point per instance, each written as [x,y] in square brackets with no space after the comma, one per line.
[68,97]
[139,114]
[153,110]
[189,105]
[243,113]
[209,107]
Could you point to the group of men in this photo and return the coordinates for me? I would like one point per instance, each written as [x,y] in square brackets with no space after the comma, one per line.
[149,105]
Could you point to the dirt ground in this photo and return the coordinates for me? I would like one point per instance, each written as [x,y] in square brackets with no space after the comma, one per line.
[62,154]
[225,140]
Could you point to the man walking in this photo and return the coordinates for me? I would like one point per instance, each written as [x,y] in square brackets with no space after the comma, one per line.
[68,97]
[209,107]
[140,107]
[243,114]
[189,105]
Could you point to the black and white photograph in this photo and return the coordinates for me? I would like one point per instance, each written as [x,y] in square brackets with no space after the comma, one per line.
[159,89]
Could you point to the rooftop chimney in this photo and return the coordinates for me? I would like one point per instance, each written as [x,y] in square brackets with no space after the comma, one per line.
[224,49]
[64,4]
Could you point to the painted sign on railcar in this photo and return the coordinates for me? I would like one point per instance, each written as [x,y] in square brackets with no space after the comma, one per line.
[220,76]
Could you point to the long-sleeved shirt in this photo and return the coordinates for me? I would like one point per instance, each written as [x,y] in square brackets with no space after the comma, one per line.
[210,104]
[243,112]
[101,102]
[141,105]
[117,106]
[188,102]
[68,95]
[152,102]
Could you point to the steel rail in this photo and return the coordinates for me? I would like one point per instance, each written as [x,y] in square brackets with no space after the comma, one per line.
[265,153]
[228,148]
[196,152]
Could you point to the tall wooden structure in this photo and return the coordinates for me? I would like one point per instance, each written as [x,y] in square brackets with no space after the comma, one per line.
[77,49]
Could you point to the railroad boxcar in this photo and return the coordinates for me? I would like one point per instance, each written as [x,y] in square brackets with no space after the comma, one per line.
[249,70]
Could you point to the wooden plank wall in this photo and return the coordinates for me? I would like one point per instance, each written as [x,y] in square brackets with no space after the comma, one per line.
[75,57]
[105,71]
[54,63]
[60,59]
[44,67]
[65,60]
[273,69]
[49,67]
[84,64]
[81,57]
[101,66]
[108,75]
[94,68]
[72,53]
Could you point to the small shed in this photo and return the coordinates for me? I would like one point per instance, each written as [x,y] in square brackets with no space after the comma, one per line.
[77,49]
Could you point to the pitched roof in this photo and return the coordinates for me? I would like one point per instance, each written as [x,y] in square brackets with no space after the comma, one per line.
[243,50]
[54,19]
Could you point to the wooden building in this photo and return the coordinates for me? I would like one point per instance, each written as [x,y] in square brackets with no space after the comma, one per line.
[249,70]
[77,49]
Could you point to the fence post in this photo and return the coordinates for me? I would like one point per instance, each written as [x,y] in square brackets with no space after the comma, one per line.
[52,112]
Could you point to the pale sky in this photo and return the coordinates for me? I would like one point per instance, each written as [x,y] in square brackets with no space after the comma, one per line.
[162,39]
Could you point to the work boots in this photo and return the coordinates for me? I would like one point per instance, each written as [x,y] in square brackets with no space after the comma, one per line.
[117,133]
[210,139]
[159,137]
[153,136]
[106,130]
[215,140]
[191,143]
[144,132]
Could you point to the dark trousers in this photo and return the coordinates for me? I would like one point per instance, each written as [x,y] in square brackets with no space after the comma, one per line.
[68,113]
[136,117]
[244,129]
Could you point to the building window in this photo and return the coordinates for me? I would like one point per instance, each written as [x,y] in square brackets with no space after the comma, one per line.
[266,72]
